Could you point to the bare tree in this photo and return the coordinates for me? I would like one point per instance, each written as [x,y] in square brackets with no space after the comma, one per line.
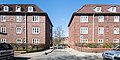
[58,34]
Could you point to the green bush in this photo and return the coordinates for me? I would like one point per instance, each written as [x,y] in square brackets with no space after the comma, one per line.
[91,45]
[107,45]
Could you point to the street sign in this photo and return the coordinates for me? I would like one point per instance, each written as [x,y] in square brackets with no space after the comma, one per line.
[81,36]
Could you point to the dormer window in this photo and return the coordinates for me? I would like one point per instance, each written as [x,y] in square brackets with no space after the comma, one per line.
[6,9]
[18,8]
[97,9]
[112,9]
[30,8]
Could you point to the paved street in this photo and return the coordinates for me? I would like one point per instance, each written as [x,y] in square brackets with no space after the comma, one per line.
[60,54]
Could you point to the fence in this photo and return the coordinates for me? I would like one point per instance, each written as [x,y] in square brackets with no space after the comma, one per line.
[30,47]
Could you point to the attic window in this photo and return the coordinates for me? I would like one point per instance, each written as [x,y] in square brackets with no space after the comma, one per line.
[97,9]
[30,8]
[18,8]
[6,9]
[112,9]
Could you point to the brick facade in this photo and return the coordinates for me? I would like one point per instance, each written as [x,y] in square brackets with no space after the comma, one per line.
[108,24]
[44,24]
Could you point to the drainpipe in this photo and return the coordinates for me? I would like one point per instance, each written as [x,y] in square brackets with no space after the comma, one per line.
[26,38]
[93,27]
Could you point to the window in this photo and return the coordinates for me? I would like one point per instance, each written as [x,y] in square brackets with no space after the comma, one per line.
[107,30]
[3,30]
[35,19]
[30,9]
[18,9]
[116,30]
[112,9]
[97,9]
[50,34]
[84,30]
[84,40]
[107,18]
[3,18]
[116,18]
[116,40]
[18,30]
[6,9]
[50,27]
[100,40]
[18,40]
[83,18]
[3,40]
[35,30]
[100,30]
[100,18]
[35,41]
[18,18]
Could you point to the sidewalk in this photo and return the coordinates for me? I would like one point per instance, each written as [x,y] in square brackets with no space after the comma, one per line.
[33,54]
[78,53]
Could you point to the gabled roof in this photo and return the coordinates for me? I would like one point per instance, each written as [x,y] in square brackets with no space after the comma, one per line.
[24,7]
[24,10]
[88,10]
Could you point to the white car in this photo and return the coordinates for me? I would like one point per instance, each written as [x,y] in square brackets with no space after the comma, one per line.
[6,51]
[112,54]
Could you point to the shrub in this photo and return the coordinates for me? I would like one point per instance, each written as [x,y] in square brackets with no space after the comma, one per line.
[91,45]
[107,46]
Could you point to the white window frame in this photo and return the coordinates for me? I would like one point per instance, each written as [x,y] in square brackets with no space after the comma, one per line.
[83,30]
[84,40]
[3,18]
[100,18]
[20,40]
[100,41]
[116,18]
[116,30]
[36,19]
[5,8]
[3,40]
[96,9]
[18,31]
[35,41]
[3,30]
[116,40]
[100,30]
[83,18]
[107,29]
[18,8]
[112,9]
[30,8]
[18,18]
[35,28]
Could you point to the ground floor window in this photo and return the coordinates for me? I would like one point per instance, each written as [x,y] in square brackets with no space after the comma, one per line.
[3,40]
[35,41]
[100,40]
[18,40]
[116,40]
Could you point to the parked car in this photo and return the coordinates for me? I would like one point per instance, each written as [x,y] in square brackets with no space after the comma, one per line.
[60,46]
[112,54]
[6,51]
[51,47]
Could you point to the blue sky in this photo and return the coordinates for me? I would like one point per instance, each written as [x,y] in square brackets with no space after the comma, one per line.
[60,11]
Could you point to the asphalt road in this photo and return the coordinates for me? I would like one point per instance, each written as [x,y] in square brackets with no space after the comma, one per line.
[61,54]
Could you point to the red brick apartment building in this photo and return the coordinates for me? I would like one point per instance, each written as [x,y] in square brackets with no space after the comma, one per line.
[25,23]
[98,23]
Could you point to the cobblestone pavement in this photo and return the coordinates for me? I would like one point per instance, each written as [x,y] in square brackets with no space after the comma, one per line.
[61,54]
